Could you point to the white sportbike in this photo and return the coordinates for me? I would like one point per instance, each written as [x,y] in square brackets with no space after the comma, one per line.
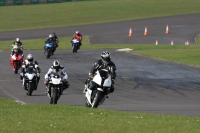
[102,81]
[56,88]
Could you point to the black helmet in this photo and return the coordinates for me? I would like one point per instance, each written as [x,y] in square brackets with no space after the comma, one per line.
[54,34]
[105,56]
[29,57]
[56,65]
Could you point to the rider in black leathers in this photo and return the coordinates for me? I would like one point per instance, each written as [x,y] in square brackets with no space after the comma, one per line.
[51,39]
[103,63]
[55,39]
[19,44]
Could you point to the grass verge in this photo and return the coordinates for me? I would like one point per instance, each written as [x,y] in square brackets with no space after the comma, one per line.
[186,54]
[18,118]
[88,12]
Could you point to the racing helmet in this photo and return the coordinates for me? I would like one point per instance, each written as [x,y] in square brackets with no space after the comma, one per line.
[77,32]
[50,36]
[17,40]
[105,56]
[29,57]
[53,34]
[56,65]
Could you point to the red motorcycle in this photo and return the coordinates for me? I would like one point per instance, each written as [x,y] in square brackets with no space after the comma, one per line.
[16,61]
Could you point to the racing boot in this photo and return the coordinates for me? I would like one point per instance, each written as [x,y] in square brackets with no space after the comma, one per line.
[85,89]
[48,91]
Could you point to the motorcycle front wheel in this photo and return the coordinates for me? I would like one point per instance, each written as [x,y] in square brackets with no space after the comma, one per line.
[97,99]
[48,53]
[55,96]
[16,67]
[30,89]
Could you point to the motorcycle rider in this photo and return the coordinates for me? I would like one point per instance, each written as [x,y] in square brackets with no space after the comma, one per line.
[55,39]
[50,39]
[15,49]
[103,63]
[26,63]
[56,68]
[78,36]
[17,42]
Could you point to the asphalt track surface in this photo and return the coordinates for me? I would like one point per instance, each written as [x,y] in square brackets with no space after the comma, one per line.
[142,84]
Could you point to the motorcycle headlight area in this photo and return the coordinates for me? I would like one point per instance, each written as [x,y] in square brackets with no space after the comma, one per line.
[29,76]
[56,80]
[13,57]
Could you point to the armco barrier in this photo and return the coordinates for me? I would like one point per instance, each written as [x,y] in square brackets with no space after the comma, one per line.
[17,2]
[2,2]
[34,1]
[42,1]
[51,1]
[26,2]
[9,2]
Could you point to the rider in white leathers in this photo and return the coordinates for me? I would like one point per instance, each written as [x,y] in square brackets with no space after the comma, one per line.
[56,68]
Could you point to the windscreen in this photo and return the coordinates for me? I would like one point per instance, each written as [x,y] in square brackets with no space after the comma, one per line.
[103,74]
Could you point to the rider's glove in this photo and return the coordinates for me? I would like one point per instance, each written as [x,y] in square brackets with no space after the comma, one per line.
[90,74]
[113,81]
[38,74]
[46,81]
[64,80]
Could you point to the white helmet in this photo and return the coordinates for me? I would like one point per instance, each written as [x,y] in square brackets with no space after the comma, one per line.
[17,40]
[56,65]
[29,57]
[77,32]
[50,36]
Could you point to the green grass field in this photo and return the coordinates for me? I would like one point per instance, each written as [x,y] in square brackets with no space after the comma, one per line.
[17,118]
[78,13]
[186,54]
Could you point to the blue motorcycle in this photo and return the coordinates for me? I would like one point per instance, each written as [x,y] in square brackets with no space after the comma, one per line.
[49,49]
[75,45]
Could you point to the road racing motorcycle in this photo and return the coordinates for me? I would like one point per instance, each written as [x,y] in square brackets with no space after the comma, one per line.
[75,45]
[16,61]
[49,49]
[56,88]
[30,80]
[102,81]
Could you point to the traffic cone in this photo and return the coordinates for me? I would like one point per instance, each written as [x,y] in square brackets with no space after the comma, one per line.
[130,32]
[172,42]
[145,31]
[167,29]
[156,42]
